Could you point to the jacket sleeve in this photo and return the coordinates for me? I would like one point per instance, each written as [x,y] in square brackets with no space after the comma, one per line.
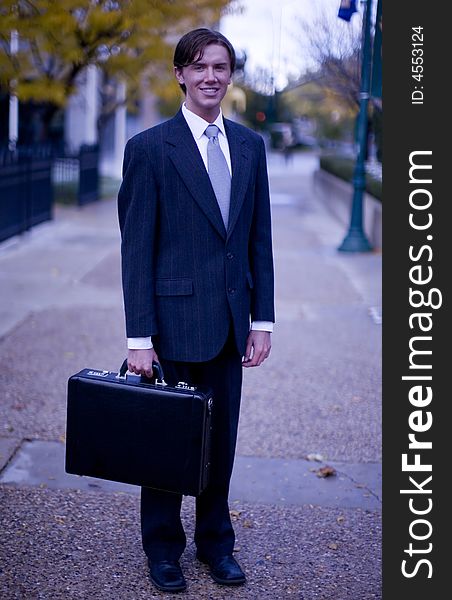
[137,212]
[260,247]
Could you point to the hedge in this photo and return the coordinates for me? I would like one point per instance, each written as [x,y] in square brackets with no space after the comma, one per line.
[343,168]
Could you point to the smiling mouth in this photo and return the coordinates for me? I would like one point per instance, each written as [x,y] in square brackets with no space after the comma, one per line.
[209,90]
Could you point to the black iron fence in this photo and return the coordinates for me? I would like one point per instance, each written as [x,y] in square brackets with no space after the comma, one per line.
[80,172]
[65,169]
[28,176]
[26,192]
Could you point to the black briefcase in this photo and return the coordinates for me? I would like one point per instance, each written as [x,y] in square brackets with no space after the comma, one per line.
[123,427]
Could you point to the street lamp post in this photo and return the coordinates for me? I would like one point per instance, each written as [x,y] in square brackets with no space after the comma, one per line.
[355,240]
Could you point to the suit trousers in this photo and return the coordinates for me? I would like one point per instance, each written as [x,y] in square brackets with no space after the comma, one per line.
[163,535]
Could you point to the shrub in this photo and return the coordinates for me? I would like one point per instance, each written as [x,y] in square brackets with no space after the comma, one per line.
[343,168]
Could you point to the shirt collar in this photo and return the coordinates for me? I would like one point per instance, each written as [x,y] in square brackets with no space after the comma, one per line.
[198,125]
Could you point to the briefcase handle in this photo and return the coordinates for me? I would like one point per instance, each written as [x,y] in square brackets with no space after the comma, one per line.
[156,367]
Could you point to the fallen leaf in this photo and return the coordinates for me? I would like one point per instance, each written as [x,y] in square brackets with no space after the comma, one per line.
[326,472]
[248,524]
[317,457]
[333,546]
[340,519]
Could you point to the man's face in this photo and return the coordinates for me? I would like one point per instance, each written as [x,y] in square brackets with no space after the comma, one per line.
[206,81]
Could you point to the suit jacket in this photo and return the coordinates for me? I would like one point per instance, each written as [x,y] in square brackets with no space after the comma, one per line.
[185,278]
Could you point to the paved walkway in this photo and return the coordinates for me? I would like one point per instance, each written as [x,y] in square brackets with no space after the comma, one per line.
[314,403]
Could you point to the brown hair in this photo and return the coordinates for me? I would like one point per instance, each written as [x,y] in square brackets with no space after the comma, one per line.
[191,46]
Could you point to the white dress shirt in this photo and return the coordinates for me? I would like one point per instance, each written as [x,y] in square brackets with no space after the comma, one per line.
[198,126]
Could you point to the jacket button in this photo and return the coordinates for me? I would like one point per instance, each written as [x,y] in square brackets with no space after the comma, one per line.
[229,255]
[231,290]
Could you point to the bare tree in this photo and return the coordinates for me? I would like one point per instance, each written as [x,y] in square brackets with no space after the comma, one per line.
[333,48]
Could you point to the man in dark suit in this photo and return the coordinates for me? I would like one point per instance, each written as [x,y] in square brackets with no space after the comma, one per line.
[197,272]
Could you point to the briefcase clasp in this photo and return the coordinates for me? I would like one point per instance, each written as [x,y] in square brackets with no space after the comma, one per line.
[183,385]
[161,382]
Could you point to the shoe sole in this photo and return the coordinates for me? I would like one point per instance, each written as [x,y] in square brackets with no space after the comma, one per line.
[228,581]
[218,579]
[173,589]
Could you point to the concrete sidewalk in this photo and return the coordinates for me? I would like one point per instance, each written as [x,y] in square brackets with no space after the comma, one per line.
[314,403]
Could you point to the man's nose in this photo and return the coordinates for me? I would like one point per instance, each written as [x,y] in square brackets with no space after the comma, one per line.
[210,74]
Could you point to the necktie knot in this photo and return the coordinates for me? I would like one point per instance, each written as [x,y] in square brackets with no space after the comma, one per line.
[212,131]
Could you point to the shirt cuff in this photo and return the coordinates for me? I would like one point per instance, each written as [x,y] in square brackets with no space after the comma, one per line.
[139,343]
[262,326]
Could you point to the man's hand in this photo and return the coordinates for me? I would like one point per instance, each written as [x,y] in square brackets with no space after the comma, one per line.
[258,348]
[140,361]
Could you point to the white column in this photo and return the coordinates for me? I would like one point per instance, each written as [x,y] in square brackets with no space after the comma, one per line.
[13,124]
[82,110]
[91,105]
[149,112]
[120,134]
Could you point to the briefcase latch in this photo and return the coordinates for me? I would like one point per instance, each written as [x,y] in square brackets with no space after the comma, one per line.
[184,386]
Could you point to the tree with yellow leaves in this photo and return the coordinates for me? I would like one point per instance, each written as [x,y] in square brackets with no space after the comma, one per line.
[129,40]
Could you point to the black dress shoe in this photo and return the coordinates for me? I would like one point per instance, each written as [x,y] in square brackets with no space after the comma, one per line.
[225,570]
[167,575]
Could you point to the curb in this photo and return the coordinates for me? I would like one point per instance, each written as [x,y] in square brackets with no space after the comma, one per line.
[337,196]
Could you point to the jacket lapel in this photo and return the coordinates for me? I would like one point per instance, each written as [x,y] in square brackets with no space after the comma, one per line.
[186,158]
[240,162]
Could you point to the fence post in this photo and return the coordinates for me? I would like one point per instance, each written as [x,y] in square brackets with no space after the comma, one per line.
[41,187]
[88,190]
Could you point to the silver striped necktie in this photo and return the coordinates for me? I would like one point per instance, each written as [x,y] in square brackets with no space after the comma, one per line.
[218,172]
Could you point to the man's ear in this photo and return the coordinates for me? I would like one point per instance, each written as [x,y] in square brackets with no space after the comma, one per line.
[179,75]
